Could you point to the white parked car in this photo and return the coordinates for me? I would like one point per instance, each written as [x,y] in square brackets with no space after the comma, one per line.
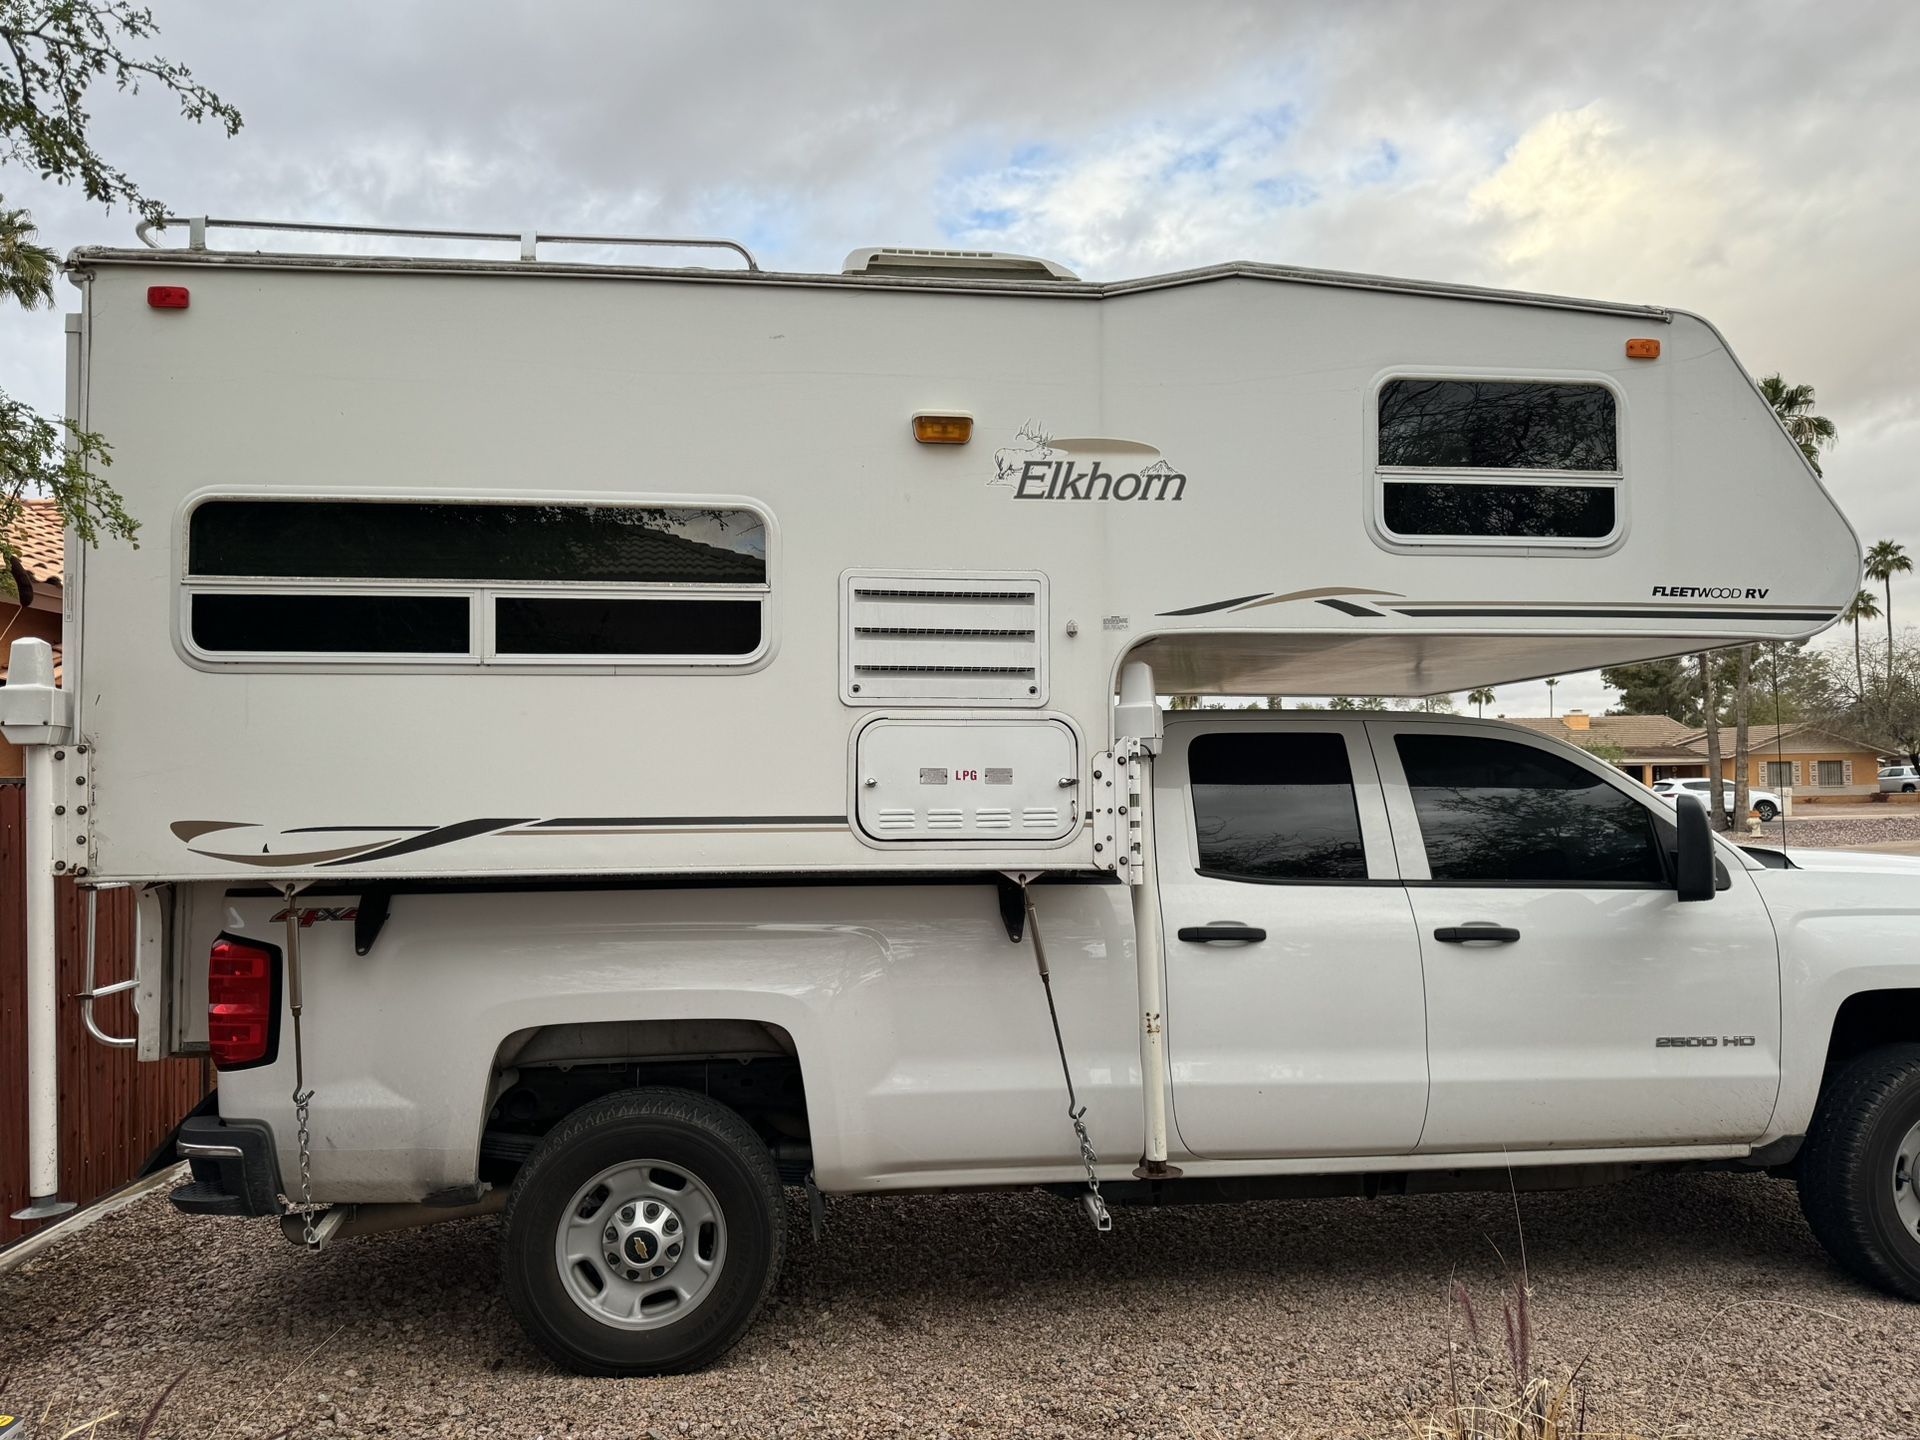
[1899,779]
[1765,803]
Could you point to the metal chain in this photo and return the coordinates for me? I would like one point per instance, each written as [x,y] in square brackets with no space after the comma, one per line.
[306,1208]
[1096,1207]
[302,1096]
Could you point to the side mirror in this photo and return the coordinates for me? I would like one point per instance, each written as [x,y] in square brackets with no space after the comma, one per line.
[1694,877]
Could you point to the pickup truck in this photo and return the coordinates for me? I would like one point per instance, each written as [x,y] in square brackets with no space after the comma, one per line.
[1404,953]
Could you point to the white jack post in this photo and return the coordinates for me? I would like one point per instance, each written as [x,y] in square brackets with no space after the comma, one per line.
[1137,728]
[34,715]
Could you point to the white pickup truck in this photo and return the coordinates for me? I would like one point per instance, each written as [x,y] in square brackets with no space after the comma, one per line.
[1403,953]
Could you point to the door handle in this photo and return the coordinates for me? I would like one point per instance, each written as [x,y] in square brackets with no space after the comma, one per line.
[1461,934]
[1208,934]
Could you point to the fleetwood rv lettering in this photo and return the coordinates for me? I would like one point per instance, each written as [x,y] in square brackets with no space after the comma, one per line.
[721,707]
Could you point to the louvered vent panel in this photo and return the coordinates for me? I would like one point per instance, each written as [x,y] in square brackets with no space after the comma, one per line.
[926,639]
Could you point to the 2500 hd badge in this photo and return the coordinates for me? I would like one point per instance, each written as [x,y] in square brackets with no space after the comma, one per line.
[1700,1042]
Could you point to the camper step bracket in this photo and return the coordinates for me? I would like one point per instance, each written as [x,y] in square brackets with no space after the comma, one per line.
[370,917]
[1013,904]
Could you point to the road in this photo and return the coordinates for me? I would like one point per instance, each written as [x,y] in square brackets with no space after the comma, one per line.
[1699,1305]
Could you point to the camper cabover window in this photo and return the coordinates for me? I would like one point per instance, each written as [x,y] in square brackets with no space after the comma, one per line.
[1498,462]
[475,582]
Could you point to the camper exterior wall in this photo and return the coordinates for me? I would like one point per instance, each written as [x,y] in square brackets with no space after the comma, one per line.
[1244,404]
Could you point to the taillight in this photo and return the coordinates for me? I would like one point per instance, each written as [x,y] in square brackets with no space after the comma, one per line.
[241,1009]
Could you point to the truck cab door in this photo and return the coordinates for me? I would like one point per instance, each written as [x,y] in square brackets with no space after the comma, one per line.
[1306,1035]
[1599,1011]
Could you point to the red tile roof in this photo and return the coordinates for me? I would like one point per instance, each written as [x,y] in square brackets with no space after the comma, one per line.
[41,541]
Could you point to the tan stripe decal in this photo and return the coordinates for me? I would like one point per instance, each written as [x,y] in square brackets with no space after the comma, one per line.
[1315,595]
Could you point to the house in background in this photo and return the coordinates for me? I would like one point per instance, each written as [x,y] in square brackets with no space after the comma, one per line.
[1817,763]
[34,609]
[1647,747]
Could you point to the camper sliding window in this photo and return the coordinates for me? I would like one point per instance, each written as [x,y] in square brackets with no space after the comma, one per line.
[1497,462]
[480,583]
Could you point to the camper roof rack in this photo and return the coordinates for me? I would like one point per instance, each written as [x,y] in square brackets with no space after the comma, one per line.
[902,260]
[530,240]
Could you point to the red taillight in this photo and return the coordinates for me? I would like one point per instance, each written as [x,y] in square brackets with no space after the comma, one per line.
[167,297]
[240,1003]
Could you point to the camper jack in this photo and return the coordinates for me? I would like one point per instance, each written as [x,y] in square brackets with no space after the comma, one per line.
[598,778]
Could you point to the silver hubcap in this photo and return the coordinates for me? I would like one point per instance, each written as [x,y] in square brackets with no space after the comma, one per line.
[641,1244]
[1906,1181]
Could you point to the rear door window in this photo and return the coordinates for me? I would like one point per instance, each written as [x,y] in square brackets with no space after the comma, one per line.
[1275,806]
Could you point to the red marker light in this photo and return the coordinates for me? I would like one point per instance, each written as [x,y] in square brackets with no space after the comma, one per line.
[167,297]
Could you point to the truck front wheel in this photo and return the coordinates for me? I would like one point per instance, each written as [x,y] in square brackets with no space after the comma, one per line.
[643,1234]
[1860,1169]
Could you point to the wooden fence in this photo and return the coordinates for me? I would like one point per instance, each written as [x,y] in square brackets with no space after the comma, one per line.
[114,1111]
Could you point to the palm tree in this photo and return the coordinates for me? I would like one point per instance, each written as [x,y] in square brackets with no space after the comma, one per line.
[1793,404]
[1864,607]
[26,269]
[1793,407]
[1551,682]
[1885,560]
[1480,699]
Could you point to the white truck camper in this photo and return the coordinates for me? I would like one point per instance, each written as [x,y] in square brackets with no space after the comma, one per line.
[603,742]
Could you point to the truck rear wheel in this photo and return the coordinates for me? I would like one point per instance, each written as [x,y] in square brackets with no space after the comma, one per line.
[1860,1169]
[643,1234]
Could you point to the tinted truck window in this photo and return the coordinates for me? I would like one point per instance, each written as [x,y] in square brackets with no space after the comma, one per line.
[1494,811]
[1275,807]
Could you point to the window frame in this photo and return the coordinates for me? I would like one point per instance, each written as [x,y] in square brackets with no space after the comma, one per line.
[1176,821]
[1379,476]
[1410,840]
[479,656]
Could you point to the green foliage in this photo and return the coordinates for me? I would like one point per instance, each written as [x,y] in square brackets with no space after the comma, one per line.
[52,52]
[1878,703]
[1794,405]
[26,268]
[58,49]
[1657,687]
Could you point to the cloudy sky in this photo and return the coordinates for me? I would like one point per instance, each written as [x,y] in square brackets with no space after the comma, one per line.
[1759,163]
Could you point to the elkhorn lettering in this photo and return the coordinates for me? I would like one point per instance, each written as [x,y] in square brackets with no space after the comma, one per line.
[1066,480]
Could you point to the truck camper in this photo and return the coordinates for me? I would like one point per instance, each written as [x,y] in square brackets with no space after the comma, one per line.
[706,697]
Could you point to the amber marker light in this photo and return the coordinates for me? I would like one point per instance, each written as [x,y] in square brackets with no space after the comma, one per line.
[1643,349]
[932,428]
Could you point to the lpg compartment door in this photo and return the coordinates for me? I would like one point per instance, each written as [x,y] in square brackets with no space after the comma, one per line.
[1000,781]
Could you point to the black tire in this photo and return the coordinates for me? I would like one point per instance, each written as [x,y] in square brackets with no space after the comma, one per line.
[1847,1167]
[1766,811]
[1907,789]
[683,1130]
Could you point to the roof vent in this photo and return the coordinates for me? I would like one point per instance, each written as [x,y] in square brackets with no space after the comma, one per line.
[988,264]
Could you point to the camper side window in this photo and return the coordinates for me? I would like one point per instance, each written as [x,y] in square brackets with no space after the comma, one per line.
[1495,462]
[480,583]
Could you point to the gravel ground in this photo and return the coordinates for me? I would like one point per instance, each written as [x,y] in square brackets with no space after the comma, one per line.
[1700,1304]
[1813,830]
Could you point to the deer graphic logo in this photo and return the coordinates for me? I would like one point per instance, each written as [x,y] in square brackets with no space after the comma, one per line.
[1009,458]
